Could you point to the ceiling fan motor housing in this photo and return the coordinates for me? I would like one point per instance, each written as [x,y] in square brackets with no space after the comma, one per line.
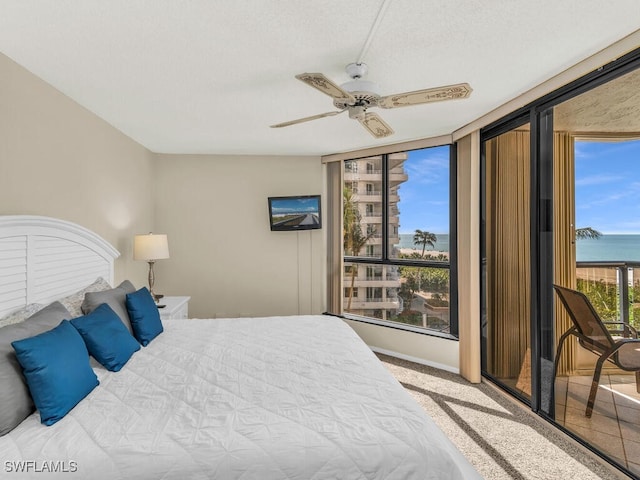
[363,99]
[364,91]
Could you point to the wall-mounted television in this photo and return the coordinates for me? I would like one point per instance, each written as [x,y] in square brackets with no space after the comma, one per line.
[300,212]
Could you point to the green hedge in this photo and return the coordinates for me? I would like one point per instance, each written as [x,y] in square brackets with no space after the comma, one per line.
[604,298]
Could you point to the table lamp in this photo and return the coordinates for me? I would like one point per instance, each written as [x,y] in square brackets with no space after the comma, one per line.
[151,247]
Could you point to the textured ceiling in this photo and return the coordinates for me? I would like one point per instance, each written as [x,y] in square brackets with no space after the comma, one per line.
[610,108]
[204,76]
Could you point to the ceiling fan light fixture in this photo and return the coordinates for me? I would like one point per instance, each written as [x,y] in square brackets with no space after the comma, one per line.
[357,112]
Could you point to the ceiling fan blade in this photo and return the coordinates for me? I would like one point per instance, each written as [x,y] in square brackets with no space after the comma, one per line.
[326,86]
[307,119]
[447,92]
[376,126]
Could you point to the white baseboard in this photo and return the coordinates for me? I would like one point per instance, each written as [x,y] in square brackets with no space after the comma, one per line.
[421,361]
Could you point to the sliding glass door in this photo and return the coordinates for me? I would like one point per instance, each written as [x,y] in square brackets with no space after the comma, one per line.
[597,238]
[560,185]
[506,337]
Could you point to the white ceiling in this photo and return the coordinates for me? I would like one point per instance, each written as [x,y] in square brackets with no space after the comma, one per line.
[210,76]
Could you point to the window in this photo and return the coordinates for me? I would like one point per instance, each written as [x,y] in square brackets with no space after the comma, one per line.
[396,237]
[374,272]
[370,208]
[347,293]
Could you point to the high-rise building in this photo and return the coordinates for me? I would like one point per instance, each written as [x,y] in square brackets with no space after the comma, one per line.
[372,290]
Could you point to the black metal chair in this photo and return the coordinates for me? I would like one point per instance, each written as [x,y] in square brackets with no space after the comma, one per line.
[592,333]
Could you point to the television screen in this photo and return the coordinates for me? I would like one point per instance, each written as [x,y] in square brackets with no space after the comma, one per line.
[295,213]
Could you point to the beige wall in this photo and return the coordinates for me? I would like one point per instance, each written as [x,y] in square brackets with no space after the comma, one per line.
[57,159]
[427,349]
[214,210]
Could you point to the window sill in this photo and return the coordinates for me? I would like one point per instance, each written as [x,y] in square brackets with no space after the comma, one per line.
[395,325]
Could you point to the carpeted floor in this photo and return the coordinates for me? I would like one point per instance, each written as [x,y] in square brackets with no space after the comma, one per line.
[500,438]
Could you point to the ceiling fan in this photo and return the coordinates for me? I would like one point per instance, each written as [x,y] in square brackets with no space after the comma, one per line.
[358,95]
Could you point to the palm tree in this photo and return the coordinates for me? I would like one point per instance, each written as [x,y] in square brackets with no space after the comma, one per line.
[353,238]
[424,238]
[587,232]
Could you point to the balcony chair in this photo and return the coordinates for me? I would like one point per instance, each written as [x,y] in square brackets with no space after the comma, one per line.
[592,333]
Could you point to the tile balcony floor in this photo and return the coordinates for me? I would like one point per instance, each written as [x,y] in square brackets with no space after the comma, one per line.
[614,426]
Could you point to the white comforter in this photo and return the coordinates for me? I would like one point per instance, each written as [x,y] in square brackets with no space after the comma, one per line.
[263,398]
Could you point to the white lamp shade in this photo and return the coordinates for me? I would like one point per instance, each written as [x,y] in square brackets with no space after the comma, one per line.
[150,247]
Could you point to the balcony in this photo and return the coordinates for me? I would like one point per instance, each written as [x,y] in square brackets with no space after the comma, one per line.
[391,279]
[396,175]
[373,303]
[613,289]
[371,218]
[368,197]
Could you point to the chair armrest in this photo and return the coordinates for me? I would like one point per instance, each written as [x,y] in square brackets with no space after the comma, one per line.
[626,328]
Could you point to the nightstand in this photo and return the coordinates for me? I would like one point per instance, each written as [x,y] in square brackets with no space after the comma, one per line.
[176,308]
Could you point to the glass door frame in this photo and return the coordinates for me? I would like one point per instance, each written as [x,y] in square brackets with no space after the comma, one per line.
[539,115]
[514,121]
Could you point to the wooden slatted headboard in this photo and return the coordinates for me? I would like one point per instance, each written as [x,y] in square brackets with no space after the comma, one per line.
[43,259]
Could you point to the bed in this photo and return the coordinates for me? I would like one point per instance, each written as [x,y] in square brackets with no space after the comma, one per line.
[297,397]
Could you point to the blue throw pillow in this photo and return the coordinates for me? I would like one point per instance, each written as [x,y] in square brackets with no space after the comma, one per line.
[143,312]
[106,337]
[56,367]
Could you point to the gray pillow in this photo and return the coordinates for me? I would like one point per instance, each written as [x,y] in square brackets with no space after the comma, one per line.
[21,315]
[115,298]
[74,301]
[15,400]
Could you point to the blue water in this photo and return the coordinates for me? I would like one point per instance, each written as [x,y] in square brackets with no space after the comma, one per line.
[610,247]
[442,243]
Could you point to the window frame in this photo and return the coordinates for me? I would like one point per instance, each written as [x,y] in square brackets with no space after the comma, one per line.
[385,259]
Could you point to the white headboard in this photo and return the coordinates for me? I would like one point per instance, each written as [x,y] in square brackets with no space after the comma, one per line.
[43,259]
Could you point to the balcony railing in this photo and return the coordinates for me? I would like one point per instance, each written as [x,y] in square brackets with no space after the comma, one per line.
[380,277]
[612,288]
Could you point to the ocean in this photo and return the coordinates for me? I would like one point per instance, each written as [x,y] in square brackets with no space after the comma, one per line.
[609,247]
[442,243]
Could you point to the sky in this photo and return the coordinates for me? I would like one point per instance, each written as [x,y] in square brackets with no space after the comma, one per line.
[608,186]
[295,205]
[424,198]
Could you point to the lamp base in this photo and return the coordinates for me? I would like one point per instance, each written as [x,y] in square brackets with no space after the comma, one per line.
[157,296]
